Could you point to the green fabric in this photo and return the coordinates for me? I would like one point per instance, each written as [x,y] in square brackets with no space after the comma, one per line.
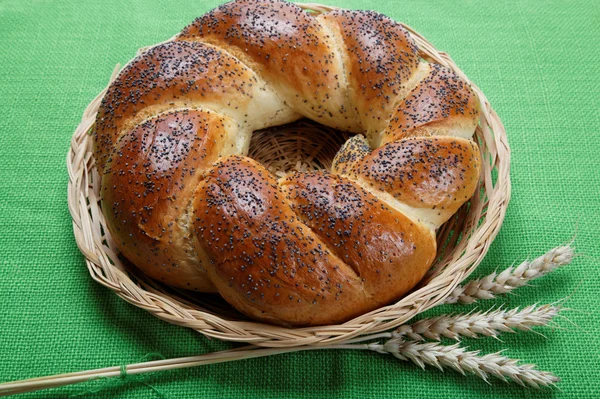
[536,61]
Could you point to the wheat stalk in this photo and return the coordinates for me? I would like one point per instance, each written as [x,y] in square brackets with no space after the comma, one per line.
[490,323]
[422,354]
[463,361]
[473,325]
[513,277]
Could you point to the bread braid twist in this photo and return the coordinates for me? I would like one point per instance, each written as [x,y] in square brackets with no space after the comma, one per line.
[185,205]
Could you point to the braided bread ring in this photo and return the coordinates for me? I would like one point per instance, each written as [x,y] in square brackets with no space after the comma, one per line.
[187,207]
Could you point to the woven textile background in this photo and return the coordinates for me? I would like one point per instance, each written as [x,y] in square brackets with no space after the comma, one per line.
[536,61]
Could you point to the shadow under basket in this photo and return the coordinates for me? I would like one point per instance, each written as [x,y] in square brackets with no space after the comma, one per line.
[462,242]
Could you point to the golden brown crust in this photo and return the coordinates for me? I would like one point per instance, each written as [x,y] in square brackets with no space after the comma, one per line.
[314,248]
[263,260]
[442,103]
[353,150]
[147,190]
[288,48]
[382,59]
[171,75]
[436,172]
[388,251]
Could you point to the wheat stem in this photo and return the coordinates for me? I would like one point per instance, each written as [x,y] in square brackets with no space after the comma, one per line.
[420,353]
[489,323]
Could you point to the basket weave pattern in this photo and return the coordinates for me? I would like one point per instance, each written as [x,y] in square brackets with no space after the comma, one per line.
[462,242]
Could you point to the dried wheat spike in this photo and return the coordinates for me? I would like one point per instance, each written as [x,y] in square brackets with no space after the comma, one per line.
[473,325]
[463,361]
[511,278]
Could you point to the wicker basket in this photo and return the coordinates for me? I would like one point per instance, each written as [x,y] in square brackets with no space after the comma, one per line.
[463,241]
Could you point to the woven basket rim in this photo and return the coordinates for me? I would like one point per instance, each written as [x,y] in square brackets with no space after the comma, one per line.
[482,220]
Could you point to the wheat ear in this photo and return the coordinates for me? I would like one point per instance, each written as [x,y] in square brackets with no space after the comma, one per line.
[473,325]
[463,361]
[511,278]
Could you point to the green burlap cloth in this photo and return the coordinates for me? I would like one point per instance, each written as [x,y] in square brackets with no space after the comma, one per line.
[537,62]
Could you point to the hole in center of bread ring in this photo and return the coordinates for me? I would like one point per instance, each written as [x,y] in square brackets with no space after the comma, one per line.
[296,147]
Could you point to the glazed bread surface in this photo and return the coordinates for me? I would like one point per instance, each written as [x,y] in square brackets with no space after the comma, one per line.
[185,205]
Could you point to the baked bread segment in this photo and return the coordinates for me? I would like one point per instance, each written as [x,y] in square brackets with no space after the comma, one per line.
[381,63]
[441,104]
[288,48]
[180,75]
[388,251]
[353,150]
[437,174]
[148,186]
[262,258]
